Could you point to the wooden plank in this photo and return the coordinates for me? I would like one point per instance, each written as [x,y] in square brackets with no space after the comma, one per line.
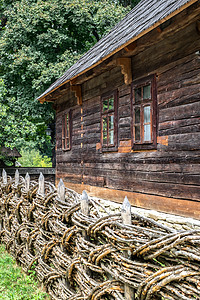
[177,130]
[169,205]
[179,96]
[180,112]
[125,146]
[176,124]
[94,180]
[168,50]
[187,141]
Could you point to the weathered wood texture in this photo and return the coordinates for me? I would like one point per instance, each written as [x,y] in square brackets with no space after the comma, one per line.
[79,250]
[173,169]
[144,18]
[34,172]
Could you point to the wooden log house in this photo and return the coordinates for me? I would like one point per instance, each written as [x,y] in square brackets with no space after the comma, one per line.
[128,112]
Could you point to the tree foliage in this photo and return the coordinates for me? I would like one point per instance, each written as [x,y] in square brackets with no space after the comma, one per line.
[130,3]
[39,41]
[33,158]
[16,131]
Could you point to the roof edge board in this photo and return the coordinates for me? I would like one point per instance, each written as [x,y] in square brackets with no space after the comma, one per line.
[158,23]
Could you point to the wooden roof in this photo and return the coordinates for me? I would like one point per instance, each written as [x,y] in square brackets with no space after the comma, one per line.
[144,17]
[10,152]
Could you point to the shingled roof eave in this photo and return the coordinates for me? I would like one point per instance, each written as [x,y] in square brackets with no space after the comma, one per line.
[41,98]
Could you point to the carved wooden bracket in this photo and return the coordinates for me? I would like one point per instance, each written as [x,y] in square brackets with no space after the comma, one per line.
[78,92]
[131,47]
[125,64]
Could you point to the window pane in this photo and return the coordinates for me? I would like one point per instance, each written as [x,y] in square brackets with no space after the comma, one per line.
[67,143]
[105,138]
[137,133]
[147,114]
[137,114]
[111,137]
[147,92]
[105,124]
[147,133]
[111,122]
[111,103]
[105,105]
[138,93]
[65,122]
[105,130]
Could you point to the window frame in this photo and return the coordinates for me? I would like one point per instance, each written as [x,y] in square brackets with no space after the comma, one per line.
[114,112]
[152,144]
[67,134]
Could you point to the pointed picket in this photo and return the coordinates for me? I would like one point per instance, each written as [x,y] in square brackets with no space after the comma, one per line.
[16,177]
[84,203]
[27,182]
[41,184]
[61,190]
[4,176]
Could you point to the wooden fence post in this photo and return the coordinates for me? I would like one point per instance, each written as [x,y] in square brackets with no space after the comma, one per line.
[84,203]
[85,209]
[126,219]
[41,184]
[16,177]
[27,182]
[4,176]
[61,190]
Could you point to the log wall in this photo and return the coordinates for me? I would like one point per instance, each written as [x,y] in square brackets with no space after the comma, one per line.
[172,171]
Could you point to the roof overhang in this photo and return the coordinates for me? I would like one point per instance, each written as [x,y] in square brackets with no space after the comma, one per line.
[42,98]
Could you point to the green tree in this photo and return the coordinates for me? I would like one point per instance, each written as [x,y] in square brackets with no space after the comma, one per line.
[16,131]
[39,40]
[130,3]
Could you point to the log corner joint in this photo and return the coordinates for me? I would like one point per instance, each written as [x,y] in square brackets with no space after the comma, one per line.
[125,64]
[78,92]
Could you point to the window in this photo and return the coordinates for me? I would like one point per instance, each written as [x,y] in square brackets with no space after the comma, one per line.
[144,113]
[66,131]
[109,121]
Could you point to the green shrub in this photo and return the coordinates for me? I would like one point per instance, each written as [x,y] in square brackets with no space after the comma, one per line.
[33,158]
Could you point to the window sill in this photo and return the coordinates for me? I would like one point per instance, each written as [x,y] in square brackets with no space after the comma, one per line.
[109,149]
[144,147]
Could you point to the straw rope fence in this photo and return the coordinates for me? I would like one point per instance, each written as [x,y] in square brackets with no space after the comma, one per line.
[81,251]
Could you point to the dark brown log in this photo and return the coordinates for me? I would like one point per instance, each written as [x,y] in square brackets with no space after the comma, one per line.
[171,171]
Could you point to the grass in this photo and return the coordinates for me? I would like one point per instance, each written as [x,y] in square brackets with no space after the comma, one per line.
[14,283]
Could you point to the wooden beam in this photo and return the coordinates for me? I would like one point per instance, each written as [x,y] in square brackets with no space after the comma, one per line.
[125,64]
[78,92]
[52,98]
[198,26]
[49,99]
[181,207]
[57,94]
